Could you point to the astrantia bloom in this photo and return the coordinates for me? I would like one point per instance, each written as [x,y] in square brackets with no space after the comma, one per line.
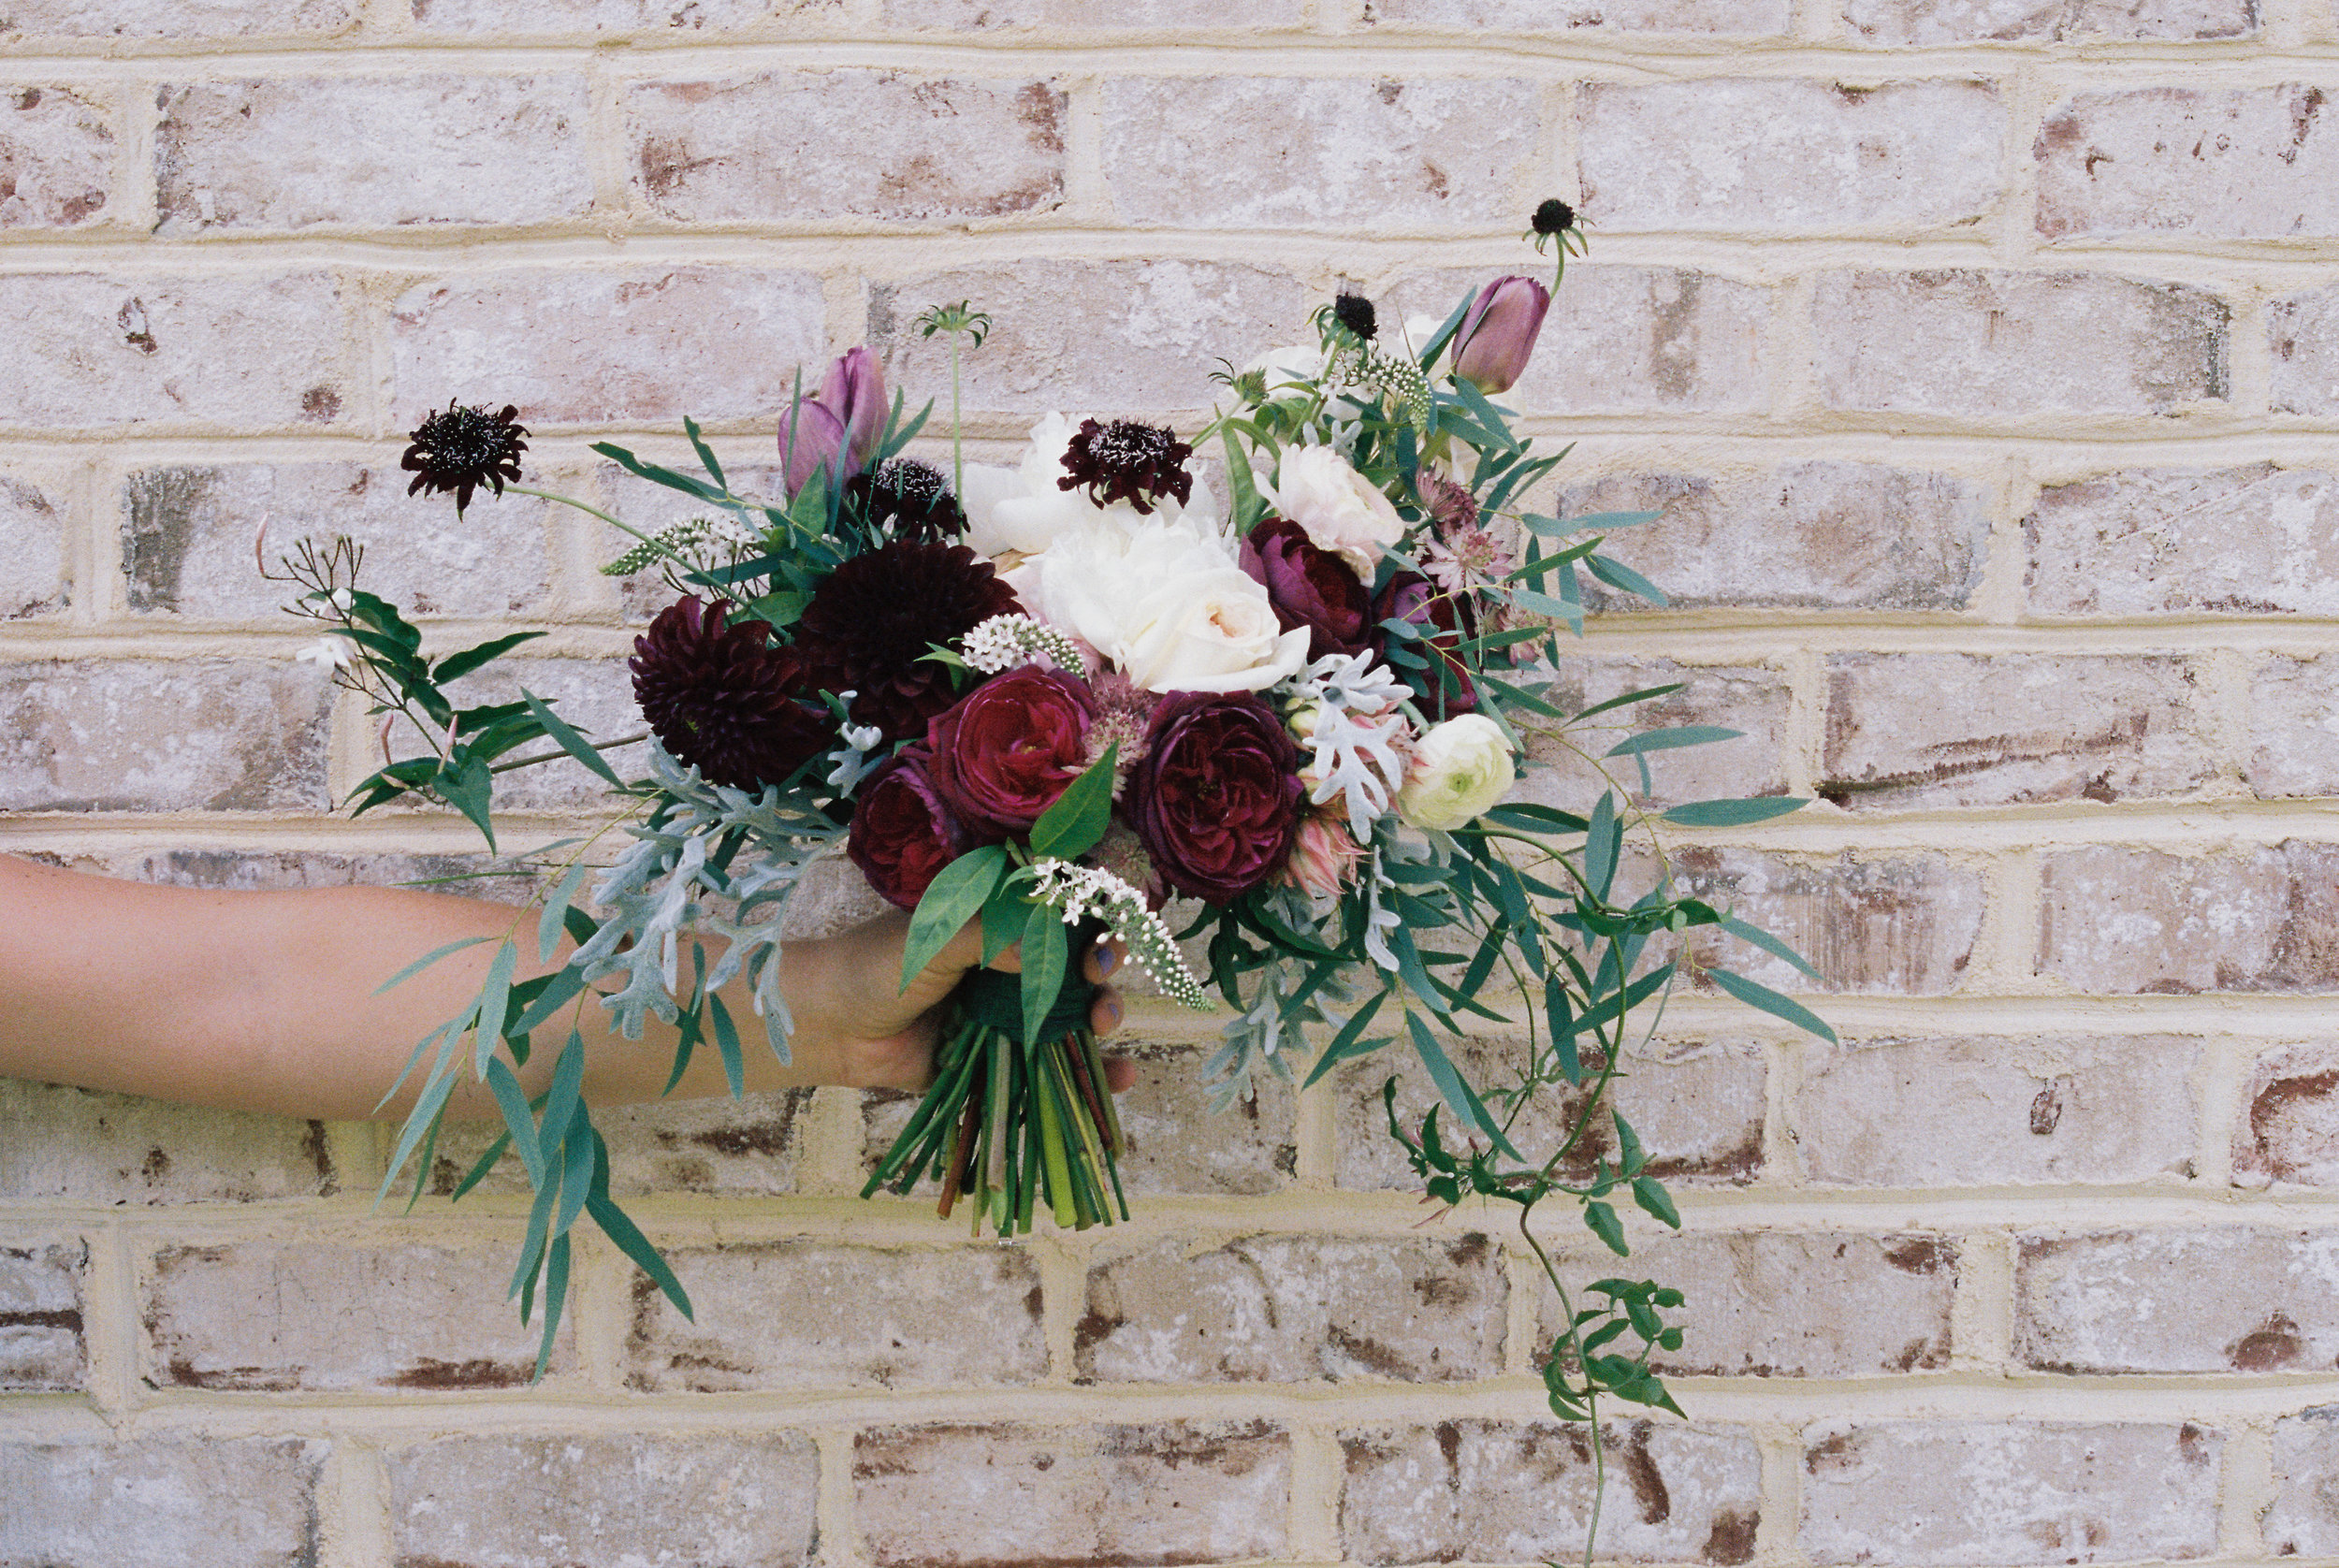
[722,698]
[872,622]
[459,449]
[908,499]
[1141,464]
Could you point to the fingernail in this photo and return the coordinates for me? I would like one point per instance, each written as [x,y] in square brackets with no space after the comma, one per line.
[1108,958]
[1112,1014]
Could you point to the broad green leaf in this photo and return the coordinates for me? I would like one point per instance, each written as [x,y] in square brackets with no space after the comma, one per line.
[494,1002]
[1672,739]
[1349,1042]
[1604,1225]
[1074,824]
[1047,956]
[556,908]
[1769,1001]
[1768,942]
[1454,1089]
[1618,575]
[570,741]
[519,1121]
[656,474]
[1604,840]
[456,665]
[428,959]
[620,1229]
[560,988]
[1731,813]
[468,787]
[568,1079]
[727,1041]
[1651,1195]
[556,1299]
[707,458]
[578,1161]
[1648,694]
[953,898]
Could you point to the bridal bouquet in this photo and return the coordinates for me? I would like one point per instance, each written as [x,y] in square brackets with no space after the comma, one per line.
[1090,694]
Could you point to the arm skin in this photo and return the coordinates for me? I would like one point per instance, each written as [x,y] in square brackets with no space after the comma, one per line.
[265,1001]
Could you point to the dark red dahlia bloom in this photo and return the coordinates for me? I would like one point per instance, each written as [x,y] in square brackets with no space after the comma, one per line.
[1010,748]
[1411,597]
[723,697]
[870,625]
[1217,800]
[1128,461]
[902,833]
[1309,588]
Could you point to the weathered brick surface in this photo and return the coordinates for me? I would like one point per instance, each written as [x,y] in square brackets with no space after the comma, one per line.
[1171,1492]
[145,19]
[203,1502]
[2009,1491]
[297,153]
[751,1147]
[2255,540]
[56,156]
[1488,1491]
[1826,535]
[745,1501]
[2115,921]
[2305,1518]
[78,1145]
[1990,346]
[1790,1304]
[1750,700]
[1984,1112]
[989,16]
[688,18]
[797,145]
[650,507]
[275,870]
[1696,1106]
[1899,925]
[2290,737]
[217,735]
[589,347]
[2254,163]
[262,1316]
[2303,336]
[42,1349]
[814,1314]
[1177,1144]
[1750,17]
[1767,154]
[1929,730]
[1244,152]
[2141,1301]
[1954,21]
[2289,1126]
[33,579]
[1279,1308]
[94,351]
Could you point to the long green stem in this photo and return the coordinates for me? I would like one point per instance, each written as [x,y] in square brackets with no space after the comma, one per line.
[958,429]
[617,523]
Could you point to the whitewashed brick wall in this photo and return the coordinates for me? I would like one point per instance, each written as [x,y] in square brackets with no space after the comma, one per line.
[1985,355]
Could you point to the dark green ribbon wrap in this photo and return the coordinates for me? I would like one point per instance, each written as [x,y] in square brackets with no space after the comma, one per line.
[995,1000]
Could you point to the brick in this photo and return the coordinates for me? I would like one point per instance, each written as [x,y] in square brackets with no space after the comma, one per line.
[1180,1144]
[187,536]
[991,16]
[238,351]
[995,1496]
[715,1146]
[1631,340]
[1697,1107]
[1748,17]
[1822,535]
[651,507]
[1954,21]
[61,1144]
[2115,921]
[1790,1304]
[1926,730]
[2134,1302]
[671,17]
[42,1349]
[284,1317]
[274,870]
[194,1503]
[1777,154]
[56,157]
[1276,1309]
[589,347]
[206,735]
[1950,1492]
[298,152]
[799,146]
[815,1315]
[2291,708]
[2289,1130]
[2244,164]
[1099,336]
[2000,345]
[1896,925]
[1977,1112]
[1493,1491]
[128,19]
[1748,699]
[2303,338]
[2255,540]
[743,1501]
[32,580]
[1237,151]
[2303,1521]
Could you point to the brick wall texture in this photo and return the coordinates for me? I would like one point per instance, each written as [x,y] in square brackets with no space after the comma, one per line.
[1983,358]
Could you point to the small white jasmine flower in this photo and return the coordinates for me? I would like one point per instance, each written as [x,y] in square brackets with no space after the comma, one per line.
[329,653]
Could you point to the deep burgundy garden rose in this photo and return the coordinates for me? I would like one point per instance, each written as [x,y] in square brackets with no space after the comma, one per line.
[1217,800]
[1010,748]
[902,833]
[1410,596]
[1309,588]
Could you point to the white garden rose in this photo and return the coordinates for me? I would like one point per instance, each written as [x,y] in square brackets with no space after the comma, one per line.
[1024,510]
[1340,509]
[1459,769]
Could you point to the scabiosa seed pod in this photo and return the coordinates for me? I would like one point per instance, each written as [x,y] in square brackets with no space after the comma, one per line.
[1141,464]
[908,499]
[1355,312]
[872,622]
[1553,217]
[723,698]
[459,449]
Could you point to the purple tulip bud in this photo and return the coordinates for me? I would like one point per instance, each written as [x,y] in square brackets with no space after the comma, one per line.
[810,437]
[1498,336]
[847,415]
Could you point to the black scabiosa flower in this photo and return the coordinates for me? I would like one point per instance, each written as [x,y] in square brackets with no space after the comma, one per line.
[1128,461]
[871,624]
[724,697]
[1355,312]
[461,449]
[909,500]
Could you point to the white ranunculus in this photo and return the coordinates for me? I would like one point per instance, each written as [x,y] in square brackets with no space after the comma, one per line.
[1340,509]
[1459,769]
[1024,510]
[1167,604]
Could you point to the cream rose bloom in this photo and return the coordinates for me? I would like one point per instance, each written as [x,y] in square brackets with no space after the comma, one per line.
[1340,509]
[1023,509]
[1459,769]
[1167,604]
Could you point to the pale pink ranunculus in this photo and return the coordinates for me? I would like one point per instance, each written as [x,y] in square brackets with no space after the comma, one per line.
[1340,509]
[1324,858]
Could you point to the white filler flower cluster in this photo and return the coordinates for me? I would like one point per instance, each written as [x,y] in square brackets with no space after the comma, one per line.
[1004,642]
[1090,893]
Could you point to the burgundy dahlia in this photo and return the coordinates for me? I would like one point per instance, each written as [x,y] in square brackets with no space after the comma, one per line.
[1124,460]
[1308,587]
[723,697]
[1010,748]
[902,833]
[871,624]
[1411,597]
[1217,800]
